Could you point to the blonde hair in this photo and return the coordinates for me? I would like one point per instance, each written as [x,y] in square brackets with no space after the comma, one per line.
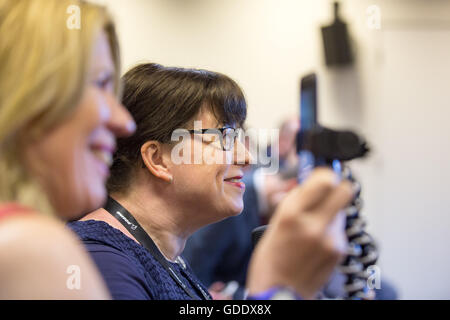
[44,64]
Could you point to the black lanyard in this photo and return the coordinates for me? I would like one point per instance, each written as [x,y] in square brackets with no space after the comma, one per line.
[129,222]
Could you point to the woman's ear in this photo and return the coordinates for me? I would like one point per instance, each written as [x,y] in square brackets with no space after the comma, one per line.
[155,161]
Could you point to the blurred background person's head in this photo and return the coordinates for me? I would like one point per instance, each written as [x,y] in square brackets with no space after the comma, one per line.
[287,147]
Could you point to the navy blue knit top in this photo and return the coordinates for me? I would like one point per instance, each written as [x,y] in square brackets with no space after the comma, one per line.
[129,270]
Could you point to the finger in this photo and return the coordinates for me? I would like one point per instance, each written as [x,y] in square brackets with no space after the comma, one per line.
[290,184]
[339,198]
[217,286]
[315,189]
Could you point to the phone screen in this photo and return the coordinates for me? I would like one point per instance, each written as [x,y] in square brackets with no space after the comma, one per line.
[308,102]
[308,120]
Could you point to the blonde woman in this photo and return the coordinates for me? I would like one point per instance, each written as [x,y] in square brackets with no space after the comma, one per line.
[59,116]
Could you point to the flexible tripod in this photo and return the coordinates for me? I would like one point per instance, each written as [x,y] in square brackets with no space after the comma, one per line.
[362,252]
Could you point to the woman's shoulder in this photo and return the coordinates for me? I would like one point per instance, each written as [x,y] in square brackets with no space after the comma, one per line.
[101,232]
[37,256]
[126,266]
[20,223]
[101,235]
[101,225]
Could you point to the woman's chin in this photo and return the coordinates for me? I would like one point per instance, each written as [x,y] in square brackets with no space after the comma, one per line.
[77,202]
[236,209]
[225,214]
[97,199]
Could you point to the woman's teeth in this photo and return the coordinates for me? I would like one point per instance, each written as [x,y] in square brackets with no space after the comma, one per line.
[234,180]
[104,156]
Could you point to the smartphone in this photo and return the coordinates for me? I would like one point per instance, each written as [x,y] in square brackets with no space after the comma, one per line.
[308,121]
[308,102]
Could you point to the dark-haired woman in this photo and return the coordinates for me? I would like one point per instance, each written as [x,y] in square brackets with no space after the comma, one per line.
[162,189]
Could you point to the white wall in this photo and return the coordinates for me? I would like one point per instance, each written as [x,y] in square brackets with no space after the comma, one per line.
[397,95]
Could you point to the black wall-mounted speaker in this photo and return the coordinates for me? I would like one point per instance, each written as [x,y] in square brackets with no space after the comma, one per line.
[336,42]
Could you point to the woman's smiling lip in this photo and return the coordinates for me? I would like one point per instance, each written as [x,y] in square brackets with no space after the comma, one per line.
[103,153]
[235,181]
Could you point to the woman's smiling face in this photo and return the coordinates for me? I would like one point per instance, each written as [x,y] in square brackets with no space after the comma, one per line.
[72,160]
[213,186]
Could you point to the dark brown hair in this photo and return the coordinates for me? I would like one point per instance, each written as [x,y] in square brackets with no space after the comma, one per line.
[163,99]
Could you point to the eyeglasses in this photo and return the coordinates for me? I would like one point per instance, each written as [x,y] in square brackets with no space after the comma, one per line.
[226,135]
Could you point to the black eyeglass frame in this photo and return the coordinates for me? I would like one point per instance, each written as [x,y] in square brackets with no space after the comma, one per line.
[235,134]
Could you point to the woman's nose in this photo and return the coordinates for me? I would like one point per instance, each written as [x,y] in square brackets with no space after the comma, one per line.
[121,123]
